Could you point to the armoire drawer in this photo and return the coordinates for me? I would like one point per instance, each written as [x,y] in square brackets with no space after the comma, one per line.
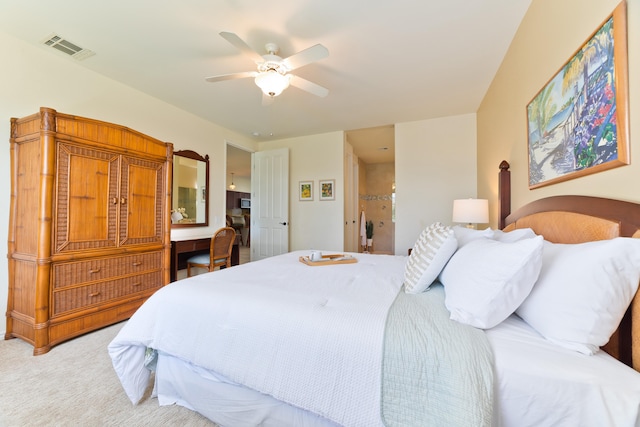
[73,273]
[80,297]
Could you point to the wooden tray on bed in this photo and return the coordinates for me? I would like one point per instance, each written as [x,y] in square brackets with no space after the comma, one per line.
[329,260]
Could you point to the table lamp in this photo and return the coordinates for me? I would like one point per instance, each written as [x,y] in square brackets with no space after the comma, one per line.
[471,211]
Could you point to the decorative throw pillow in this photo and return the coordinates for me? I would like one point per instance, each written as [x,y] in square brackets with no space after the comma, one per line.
[583,292]
[432,250]
[486,280]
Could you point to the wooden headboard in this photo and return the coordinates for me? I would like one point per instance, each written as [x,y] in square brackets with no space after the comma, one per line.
[577,219]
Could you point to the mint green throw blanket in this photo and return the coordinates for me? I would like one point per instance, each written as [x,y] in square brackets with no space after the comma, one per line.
[436,372]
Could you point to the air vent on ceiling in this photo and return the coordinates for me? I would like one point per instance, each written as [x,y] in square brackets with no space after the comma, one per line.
[76,52]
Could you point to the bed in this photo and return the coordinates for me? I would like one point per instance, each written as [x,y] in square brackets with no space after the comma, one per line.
[281,343]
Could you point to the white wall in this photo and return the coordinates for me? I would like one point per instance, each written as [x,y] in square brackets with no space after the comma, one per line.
[314,224]
[435,164]
[31,78]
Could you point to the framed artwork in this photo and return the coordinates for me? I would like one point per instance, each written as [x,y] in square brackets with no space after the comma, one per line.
[305,190]
[578,123]
[327,189]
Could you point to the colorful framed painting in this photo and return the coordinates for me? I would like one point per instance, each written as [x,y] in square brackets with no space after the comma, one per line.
[305,190]
[327,189]
[578,123]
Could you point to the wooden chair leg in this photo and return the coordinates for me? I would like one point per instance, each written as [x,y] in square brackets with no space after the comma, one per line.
[188,270]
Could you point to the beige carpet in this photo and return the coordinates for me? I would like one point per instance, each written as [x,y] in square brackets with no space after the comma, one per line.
[75,385]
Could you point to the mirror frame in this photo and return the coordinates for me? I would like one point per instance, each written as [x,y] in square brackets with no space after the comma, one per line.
[190,154]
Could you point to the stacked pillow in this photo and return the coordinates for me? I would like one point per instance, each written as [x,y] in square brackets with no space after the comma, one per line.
[583,292]
[574,295]
[486,280]
[465,235]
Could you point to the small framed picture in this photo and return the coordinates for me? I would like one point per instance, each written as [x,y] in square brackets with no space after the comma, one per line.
[305,190]
[327,189]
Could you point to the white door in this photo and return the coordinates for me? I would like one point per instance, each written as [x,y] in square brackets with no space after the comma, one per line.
[269,203]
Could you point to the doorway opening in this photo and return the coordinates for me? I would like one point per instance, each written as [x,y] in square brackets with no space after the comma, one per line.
[375,151]
[238,200]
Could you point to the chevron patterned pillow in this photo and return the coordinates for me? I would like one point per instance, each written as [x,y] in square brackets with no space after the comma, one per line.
[431,252]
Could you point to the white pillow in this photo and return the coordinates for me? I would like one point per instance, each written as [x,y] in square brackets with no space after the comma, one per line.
[465,235]
[432,250]
[583,292]
[514,235]
[486,280]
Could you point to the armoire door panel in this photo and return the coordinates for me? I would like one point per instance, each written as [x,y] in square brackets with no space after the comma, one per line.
[87,186]
[141,204]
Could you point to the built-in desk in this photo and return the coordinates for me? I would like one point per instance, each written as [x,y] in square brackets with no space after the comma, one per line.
[181,250]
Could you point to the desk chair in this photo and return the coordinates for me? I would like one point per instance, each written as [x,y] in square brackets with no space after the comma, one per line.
[219,252]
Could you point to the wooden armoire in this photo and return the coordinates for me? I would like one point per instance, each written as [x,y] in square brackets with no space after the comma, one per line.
[89,226]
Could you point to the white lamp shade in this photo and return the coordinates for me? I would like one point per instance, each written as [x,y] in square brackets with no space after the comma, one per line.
[471,211]
[272,82]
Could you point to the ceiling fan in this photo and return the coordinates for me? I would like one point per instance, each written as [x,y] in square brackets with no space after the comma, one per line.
[272,75]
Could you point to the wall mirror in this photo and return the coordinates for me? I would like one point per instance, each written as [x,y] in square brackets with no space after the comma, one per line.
[190,191]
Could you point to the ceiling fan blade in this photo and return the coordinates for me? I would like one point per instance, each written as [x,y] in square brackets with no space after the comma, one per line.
[306,56]
[242,46]
[231,76]
[308,86]
[267,100]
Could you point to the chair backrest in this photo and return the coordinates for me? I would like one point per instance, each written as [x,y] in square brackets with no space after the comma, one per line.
[247,220]
[222,245]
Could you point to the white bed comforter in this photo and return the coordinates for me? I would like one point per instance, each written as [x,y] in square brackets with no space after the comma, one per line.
[315,343]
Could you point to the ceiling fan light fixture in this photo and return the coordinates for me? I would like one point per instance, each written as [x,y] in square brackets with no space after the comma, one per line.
[272,82]
[272,75]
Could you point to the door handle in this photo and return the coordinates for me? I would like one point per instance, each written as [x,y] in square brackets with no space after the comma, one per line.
[282,223]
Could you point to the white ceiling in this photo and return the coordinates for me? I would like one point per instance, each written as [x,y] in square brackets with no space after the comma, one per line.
[389,62]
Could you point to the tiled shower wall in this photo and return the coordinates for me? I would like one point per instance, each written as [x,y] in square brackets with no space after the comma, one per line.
[376,189]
